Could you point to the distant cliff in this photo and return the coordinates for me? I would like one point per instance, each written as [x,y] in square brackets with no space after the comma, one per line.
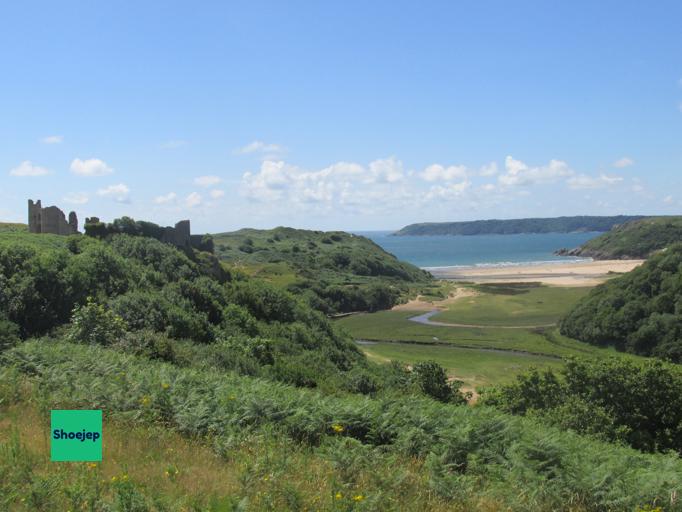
[517,226]
[634,240]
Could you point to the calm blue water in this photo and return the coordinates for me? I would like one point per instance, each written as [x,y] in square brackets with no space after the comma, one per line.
[478,250]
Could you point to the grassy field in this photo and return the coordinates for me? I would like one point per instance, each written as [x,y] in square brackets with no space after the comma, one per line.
[480,356]
[475,367]
[154,468]
[539,305]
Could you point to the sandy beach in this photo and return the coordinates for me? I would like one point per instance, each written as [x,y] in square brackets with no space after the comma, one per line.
[583,273]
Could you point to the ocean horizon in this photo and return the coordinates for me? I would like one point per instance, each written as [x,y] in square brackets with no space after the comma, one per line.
[483,251]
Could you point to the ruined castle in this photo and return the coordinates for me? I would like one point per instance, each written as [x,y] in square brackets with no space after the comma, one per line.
[50,220]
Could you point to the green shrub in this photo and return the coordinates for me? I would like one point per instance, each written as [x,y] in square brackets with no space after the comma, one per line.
[619,400]
[9,334]
[94,324]
[432,379]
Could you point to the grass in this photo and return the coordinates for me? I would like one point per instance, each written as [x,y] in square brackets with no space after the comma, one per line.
[451,346]
[540,305]
[475,367]
[158,466]
[395,452]
[18,234]
[278,274]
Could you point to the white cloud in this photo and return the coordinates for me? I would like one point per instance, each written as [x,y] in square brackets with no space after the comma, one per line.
[488,170]
[76,198]
[583,181]
[26,168]
[623,162]
[258,146]
[118,193]
[518,173]
[668,200]
[52,139]
[193,199]
[449,191]
[437,172]
[207,181]
[90,167]
[388,170]
[173,144]
[217,194]
[343,185]
[165,198]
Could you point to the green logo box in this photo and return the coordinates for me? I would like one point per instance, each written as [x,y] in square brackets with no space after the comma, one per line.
[75,435]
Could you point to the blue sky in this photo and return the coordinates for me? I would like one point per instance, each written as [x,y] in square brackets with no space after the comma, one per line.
[352,115]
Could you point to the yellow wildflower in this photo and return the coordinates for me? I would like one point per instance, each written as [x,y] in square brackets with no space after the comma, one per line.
[337,428]
[358,497]
[124,478]
[91,465]
[338,495]
[114,478]
[165,385]
[145,400]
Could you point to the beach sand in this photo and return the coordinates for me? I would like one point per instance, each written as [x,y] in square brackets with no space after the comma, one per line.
[583,273]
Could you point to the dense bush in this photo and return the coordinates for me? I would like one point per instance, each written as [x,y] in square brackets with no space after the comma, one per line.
[619,400]
[639,312]
[9,333]
[432,380]
[94,324]
[140,284]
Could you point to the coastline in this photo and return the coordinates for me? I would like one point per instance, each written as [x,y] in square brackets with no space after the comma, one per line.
[557,273]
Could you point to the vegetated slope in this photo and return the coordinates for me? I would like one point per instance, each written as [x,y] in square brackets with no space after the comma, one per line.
[633,240]
[639,312]
[478,457]
[336,271]
[149,334]
[146,297]
[517,226]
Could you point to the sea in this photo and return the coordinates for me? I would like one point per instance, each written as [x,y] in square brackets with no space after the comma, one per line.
[445,251]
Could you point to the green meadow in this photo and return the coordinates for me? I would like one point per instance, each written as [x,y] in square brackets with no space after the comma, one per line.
[475,367]
[480,356]
[519,305]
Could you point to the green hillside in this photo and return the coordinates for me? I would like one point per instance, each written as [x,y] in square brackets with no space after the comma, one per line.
[633,240]
[263,403]
[336,271]
[516,226]
[639,312]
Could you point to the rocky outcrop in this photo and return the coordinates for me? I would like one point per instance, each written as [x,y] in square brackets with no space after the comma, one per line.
[50,220]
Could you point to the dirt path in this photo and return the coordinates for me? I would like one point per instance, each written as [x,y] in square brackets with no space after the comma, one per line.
[425,319]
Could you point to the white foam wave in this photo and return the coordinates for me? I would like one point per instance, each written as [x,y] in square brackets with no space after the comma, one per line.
[502,264]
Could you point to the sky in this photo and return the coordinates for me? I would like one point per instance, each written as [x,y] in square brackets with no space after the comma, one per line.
[349,115]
